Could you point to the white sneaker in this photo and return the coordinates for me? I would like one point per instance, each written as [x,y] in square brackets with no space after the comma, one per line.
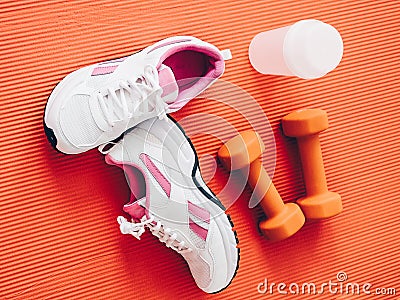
[170,198]
[96,104]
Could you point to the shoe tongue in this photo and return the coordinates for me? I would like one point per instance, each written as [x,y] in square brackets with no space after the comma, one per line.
[168,83]
[136,208]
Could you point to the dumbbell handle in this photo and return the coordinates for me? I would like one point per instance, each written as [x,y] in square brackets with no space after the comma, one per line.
[264,189]
[312,164]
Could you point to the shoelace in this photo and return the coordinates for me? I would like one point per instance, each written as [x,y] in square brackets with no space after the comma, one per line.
[165,235]
[146,95]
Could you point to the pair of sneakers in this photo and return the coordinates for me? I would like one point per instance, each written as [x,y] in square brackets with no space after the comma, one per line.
[132,96]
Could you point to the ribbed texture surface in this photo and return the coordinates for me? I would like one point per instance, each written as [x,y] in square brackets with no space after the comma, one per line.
[58,232]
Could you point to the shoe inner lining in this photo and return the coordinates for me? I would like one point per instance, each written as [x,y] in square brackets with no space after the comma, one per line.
[136,182]
[188,66]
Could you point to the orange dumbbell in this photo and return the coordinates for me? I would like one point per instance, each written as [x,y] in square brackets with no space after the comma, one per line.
[305,125]
[242,153]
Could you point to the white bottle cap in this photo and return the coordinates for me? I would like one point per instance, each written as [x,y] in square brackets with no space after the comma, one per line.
[312,48]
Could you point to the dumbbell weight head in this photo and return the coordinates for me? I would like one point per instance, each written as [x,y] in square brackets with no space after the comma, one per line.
[240,151]
[305,122]
[284,225]
[321,206]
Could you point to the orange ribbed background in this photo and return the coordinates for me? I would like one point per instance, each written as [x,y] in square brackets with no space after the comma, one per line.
[58,233]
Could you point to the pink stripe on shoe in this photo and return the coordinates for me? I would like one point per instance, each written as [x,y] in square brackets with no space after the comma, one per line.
[197,229]
[103,70]
[169,43]
[158,176]
[121,59]
[199,212]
